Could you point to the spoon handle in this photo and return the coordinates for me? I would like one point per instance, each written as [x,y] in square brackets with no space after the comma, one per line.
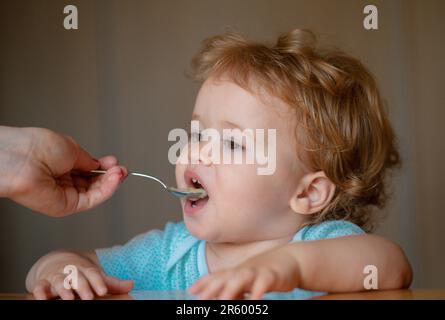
[180,193]
[139,175]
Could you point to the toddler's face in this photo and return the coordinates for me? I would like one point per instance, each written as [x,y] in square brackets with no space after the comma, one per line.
[242,205]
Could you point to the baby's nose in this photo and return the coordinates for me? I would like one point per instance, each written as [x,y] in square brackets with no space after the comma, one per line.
[200,153]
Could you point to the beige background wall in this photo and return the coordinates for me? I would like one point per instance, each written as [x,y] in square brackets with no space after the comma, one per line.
[117,85]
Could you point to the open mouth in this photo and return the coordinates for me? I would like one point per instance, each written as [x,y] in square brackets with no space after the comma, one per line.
[192,205]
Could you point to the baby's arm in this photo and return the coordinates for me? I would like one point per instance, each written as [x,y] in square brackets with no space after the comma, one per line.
[46,277]
[331,265]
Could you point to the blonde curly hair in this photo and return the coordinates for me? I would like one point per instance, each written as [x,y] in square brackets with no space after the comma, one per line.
[343,125]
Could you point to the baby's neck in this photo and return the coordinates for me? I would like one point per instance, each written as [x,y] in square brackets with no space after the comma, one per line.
[225,255]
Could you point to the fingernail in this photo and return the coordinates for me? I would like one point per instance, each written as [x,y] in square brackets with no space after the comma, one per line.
[97,163]
[123,175]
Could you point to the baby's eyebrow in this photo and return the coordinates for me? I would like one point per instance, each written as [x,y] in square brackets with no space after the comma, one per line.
[232,125]
[196,116]
[224,123]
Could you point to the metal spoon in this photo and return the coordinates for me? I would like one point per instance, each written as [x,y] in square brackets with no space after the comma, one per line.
[180,193]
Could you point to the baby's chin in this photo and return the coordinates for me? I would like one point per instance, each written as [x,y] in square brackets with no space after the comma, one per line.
[210,234]
[195,228]
[201,231]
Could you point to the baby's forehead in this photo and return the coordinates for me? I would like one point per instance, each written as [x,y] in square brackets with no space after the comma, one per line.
[225,100]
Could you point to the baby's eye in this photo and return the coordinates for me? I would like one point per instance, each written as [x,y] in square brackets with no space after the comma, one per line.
[232,145]
[195,136]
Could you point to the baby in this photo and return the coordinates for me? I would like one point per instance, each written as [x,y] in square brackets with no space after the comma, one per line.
[302,226]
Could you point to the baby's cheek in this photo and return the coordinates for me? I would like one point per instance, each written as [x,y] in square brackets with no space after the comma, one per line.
[179,173]
[252,194]
[239,186]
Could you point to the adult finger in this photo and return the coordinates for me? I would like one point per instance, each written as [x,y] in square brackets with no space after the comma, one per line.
[81,182]
[108,162]
[100,190]
[84,161]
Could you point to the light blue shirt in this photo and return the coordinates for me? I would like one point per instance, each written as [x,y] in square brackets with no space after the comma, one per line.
[173,259]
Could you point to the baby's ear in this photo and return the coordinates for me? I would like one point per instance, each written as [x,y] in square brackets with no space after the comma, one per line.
[314,192]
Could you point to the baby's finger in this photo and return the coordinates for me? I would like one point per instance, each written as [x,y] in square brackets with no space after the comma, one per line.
[236,287]
[200,284]
[59,289]
[212,289]
[96,281]
[261,285]
[117,286]
[83,289]
[42,290]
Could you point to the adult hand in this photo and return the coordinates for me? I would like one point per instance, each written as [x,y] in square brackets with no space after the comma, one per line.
[41,169]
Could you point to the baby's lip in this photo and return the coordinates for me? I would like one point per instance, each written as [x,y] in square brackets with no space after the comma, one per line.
[189,175]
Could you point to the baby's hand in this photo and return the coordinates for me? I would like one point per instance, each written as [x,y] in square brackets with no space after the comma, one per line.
[91,280]
[274,270]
